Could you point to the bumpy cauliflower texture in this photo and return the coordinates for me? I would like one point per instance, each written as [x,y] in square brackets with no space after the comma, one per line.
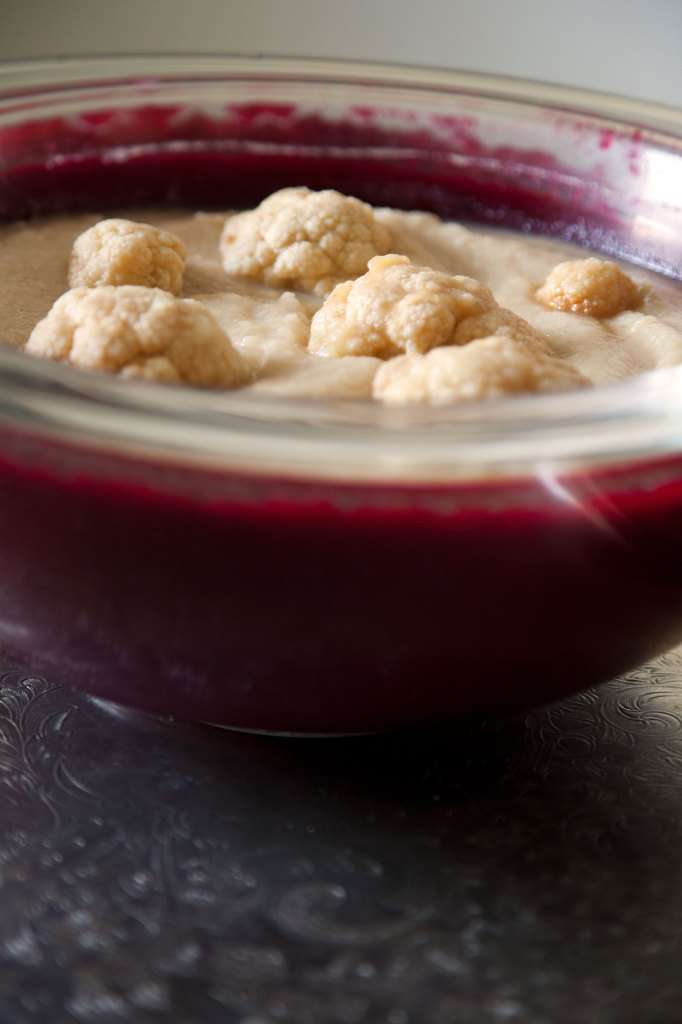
[485,368]
[137,332]
[591,286]
[318,294]
[304,240]
[119,251]
[397,308]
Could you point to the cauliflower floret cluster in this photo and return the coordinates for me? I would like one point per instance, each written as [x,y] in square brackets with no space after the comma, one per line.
[301,239]
[397,307]
[591,286]
[118,252]
[486,368]
[404,332]
[137,332]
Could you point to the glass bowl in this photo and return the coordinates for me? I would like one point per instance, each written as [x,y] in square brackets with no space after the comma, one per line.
[335,567]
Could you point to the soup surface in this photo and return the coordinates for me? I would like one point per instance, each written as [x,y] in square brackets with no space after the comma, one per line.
[337,300]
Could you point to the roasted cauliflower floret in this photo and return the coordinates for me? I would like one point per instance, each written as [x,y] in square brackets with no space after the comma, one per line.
[304,240]
[397,308]
[137,332]
[486,368]
[591,286]
[118,251]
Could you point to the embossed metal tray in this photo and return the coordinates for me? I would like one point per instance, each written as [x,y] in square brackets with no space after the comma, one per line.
[526,870]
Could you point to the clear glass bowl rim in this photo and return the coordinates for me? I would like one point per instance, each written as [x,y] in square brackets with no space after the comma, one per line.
[640,418]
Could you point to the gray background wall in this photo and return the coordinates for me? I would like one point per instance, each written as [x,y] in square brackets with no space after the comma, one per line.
[629,48]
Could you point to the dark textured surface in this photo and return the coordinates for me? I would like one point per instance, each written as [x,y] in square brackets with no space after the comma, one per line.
[524,870]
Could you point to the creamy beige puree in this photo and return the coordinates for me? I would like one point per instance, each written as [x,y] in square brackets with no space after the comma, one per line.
[319,295]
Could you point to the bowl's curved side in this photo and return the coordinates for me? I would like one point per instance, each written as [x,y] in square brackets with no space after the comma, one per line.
[342,609]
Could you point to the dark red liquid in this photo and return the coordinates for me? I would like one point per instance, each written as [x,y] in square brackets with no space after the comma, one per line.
[311,608]
[320,606]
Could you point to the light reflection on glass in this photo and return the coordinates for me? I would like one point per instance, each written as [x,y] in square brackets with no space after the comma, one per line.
[662,190]
[582,500]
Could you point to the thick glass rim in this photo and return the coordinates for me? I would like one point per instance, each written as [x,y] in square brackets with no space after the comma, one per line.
[64,72]
[637,418]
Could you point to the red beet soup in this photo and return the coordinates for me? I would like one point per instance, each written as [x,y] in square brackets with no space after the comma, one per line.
[290,600]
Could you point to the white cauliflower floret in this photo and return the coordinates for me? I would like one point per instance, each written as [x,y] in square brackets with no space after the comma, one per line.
[118,251]
[486,368]
[591,286]
[137,332]
[397,307]
[302,239]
